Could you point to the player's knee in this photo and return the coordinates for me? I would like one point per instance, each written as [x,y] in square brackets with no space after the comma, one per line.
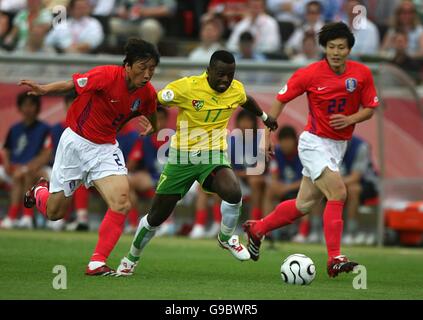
[305,207]
[121,204]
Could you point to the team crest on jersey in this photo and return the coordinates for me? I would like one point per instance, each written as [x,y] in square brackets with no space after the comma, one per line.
[136,105]
[351,84]
[197,104]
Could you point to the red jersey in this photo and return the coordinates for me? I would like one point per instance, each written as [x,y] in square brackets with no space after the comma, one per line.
[329,93]
[104,103]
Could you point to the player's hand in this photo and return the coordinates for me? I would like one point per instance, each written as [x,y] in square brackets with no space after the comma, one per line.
[36,89]
[146,126]
[271,123]
[339,121]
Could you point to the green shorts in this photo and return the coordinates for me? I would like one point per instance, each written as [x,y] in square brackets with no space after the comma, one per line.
[184,168]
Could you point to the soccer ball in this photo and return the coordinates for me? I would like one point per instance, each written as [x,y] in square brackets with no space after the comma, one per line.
[298,269]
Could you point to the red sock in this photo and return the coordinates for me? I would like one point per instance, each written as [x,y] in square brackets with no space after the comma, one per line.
[14,211]
[256,214]
[217,215]
[28,212]
[81,197]
[304,227]
[41,200]
[285,213]
[108,235]
[332,227]
[133,217]
[201,217]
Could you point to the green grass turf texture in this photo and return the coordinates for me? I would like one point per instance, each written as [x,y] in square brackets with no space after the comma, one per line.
[180,268]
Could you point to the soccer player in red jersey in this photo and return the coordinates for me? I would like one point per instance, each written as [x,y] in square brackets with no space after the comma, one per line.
[336,89]
[107,97]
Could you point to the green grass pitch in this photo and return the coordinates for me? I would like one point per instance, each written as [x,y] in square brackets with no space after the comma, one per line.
[179,268]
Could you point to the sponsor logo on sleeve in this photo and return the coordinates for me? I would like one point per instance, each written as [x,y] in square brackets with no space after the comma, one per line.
[82,82]
[284,89]
[168,95]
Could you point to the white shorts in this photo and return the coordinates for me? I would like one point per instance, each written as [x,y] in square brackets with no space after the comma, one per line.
[81,161]
[317,153]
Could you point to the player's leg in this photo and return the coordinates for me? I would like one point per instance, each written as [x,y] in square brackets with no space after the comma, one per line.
[114,190]
[225,184]
[352,203]
[332,186]
[284,214]
[15,198]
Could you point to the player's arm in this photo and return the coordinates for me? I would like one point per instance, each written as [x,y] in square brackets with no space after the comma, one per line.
[252,106]
[341,121]
[275,111]
[42,89]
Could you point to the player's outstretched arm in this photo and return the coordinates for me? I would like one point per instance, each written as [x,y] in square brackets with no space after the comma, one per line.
[274,112]
[42,89]
[252,106]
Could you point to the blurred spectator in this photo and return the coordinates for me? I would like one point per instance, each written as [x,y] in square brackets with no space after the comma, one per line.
[406,20]
[310,50]
[80,33]
[102,11]
[402,59]
[286,169]
[26,152]
[12,6]
[264,28]
[201,215]
[246,48]
[360,179]
[25,20]
[367,39]
[232,11]
[211,36]
[243,152]
[143,18]
[381,13]
[4,29]
[313,24]
[288,11]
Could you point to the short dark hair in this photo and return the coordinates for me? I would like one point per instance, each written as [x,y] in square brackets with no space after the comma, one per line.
[287,132]
[23,96]
[336,30]
[138,49]
[315,3]
[245,114]
[246,36]
[223,56]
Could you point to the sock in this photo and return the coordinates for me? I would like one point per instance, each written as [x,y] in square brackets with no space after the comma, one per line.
[13,211]
[108,235]
[41,196]
[81,198]
[256,214]
[230,215]
[28,212]
[133,217]
[82,216]
[304,227]
[285,213]
[144,234]
[332,227]
[217,215]
[201,217]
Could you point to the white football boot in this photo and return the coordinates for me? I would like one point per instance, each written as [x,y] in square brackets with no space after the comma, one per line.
[236,248]
[126,267]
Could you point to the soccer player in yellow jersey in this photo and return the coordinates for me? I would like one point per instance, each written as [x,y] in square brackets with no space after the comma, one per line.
[198,152]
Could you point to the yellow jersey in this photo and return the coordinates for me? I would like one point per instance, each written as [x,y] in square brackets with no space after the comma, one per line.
[203,113]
